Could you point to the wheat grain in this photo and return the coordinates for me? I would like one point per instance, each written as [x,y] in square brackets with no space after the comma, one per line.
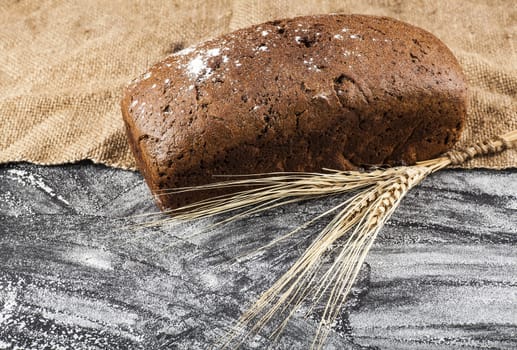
[376,195]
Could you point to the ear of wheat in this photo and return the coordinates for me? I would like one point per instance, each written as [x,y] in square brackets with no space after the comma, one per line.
[351,233]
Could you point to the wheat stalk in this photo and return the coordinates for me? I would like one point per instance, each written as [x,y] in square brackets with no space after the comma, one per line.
[376,195]
[309,281]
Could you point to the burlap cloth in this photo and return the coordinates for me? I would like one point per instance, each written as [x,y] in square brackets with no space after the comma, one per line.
[63,64]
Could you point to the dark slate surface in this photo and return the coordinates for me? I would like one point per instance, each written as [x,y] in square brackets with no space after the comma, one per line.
[443,274]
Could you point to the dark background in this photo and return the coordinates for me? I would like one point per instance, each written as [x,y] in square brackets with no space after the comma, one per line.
[442,274]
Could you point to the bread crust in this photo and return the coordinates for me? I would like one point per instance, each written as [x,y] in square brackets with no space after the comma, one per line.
[334,91]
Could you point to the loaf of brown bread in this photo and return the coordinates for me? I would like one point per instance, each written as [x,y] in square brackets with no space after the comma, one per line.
[334,91]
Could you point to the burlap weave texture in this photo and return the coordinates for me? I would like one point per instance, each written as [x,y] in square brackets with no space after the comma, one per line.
[63,64]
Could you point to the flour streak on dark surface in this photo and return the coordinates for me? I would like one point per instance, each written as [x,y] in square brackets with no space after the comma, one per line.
[442,275]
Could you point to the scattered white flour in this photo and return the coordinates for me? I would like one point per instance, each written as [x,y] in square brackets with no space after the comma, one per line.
[262,48]
[185,51]
[298,39]
[338,36]
[210,280]
[96,258]
[146,76]
[344,30]
[374,39]
[154,86]
[9,303]
[198,68]
[225,59]
[310,65]
[346,53]
[213,52]
[167,81]
[354,36]
[83,311]
[265,33]
[25,178]
[133,104]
